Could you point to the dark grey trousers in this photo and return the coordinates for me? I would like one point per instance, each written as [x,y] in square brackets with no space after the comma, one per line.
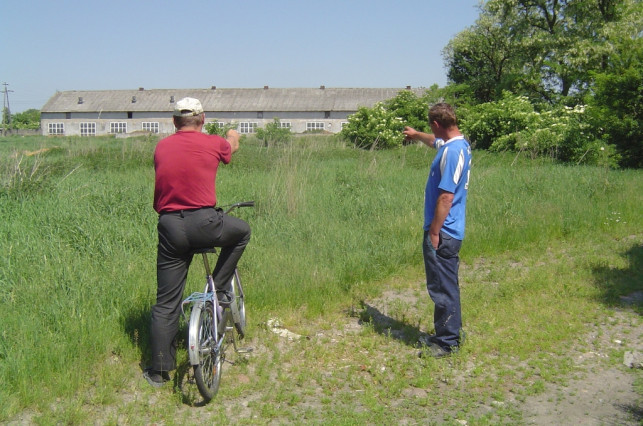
[180,233]
[442,282]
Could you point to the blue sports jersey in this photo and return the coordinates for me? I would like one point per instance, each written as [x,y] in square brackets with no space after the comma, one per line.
[449,172]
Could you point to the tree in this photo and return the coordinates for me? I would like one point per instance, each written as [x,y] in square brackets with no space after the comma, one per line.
[616,101]
[544,49]
[29,119]
[560,55]
[484,58]
[6,118]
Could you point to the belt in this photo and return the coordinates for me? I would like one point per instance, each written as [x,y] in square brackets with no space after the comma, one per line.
[183,211]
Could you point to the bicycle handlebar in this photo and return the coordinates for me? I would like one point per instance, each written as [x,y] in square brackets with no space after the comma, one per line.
[241,204]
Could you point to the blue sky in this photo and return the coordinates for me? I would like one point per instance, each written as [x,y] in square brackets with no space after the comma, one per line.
[89,45]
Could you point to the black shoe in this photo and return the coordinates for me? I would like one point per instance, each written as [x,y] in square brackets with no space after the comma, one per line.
[225,297]
[433,350]
[427,339]
[156,378]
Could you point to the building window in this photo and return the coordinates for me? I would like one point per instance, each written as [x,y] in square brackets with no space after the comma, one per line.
[56,129]
[247,127]
[314,126]
[152,127]
[285,124]
[118,127]
[88,129]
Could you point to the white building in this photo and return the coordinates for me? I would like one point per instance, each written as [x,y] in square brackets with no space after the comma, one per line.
[102,112]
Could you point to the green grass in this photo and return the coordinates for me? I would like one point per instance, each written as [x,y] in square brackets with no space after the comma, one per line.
[549,251]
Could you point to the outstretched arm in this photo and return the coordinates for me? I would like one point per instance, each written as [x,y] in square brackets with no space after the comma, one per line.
[232,136]
[426,138]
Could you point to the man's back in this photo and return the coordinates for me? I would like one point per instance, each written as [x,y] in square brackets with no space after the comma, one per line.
[186,165]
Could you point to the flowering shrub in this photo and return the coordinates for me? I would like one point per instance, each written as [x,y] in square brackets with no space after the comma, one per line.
[484,124]
[373,128]
[381,126]
[512,123]
[560,132]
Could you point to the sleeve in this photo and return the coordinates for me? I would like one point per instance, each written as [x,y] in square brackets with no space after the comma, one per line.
[224,149]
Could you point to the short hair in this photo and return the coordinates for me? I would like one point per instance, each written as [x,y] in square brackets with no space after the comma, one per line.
[443,114]
[189,121]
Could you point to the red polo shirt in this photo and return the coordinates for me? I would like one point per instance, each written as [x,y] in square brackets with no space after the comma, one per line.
[186,167]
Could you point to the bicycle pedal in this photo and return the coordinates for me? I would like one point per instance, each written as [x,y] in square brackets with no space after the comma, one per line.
[244,350]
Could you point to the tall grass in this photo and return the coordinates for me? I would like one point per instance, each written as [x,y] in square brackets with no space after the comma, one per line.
[78,240]
[533,202]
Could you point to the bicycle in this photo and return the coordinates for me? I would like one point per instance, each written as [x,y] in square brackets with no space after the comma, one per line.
[212,325]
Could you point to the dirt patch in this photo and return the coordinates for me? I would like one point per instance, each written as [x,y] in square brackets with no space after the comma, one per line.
[598,394]
[604,395]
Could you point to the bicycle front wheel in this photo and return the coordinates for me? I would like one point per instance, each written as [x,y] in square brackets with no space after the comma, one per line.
[238,306]
[205,351]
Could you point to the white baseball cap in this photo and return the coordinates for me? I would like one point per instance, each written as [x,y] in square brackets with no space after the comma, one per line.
[188,107]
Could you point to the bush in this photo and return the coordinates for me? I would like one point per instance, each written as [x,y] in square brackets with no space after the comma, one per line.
[273,133]
[373,128]
[29,119]
[213,128]
[381,126]
[617,113]
[498,121]
[560,132]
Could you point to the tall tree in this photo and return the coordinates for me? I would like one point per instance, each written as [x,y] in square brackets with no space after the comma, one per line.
[545,49]
[484,58]
[616,99]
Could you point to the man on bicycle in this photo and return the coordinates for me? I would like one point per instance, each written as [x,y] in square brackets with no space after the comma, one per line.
[185,165]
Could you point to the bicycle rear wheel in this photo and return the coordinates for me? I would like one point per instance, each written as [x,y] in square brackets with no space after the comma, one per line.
[238,306]
[203,345]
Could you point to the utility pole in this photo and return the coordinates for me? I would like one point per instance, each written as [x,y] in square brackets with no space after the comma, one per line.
[6,110]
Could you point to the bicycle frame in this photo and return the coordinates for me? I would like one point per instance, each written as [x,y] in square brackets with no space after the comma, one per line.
[222,315]
[208,294]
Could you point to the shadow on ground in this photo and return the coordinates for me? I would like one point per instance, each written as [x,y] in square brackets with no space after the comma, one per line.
[622,287]
[384,324]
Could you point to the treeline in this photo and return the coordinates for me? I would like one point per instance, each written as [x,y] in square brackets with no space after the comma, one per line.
[562,78]
[29,119]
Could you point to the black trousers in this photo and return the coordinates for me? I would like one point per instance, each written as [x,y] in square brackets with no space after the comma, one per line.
[180,233]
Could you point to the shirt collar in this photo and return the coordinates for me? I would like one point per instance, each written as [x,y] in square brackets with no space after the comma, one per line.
[454,138]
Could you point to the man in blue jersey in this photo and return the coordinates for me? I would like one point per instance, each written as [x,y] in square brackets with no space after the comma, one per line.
[445,199]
